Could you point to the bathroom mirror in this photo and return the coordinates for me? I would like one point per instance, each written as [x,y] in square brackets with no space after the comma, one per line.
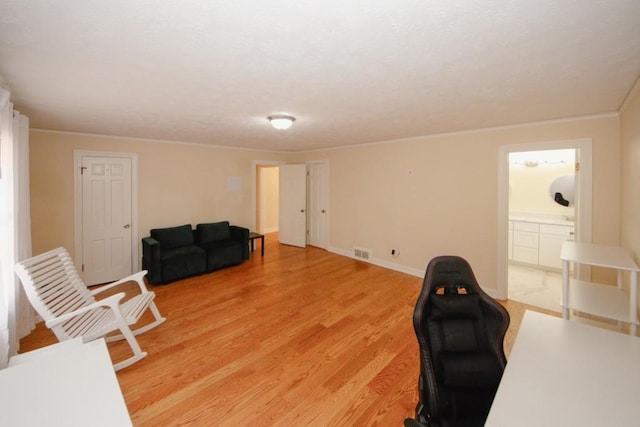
[562,190]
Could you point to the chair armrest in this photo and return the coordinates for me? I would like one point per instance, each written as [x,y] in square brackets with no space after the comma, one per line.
[241,234]
[137,277]
[111,302]
[151,259]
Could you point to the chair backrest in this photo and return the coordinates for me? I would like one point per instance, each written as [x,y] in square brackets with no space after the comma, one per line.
[460,330]
[52,284]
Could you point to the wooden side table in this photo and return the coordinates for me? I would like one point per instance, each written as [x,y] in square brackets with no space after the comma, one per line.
[252,237]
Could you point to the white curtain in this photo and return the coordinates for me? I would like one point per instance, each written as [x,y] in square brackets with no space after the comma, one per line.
[16,316]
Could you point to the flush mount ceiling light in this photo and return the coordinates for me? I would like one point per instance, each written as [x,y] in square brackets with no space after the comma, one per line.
[281,121]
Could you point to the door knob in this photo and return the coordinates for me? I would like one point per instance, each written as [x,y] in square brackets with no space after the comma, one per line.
[127,225]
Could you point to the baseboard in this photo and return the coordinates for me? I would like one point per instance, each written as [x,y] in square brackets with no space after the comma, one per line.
[397,267]
[379,262]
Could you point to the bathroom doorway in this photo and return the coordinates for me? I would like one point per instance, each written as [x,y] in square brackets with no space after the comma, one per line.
[541,217]
[545,199]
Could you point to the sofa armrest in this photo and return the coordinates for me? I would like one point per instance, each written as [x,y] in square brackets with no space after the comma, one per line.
[241,235]
[151,260]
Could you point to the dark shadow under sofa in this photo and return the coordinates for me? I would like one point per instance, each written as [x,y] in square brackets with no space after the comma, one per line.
[173,253]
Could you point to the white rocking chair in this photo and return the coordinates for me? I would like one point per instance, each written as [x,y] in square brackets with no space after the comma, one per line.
[70,309]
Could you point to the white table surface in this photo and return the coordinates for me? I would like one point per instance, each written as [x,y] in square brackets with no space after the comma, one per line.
[563,373]
[73,385]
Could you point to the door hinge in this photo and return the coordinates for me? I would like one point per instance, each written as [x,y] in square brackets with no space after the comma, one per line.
[82,168]
[83,268]
[577,167]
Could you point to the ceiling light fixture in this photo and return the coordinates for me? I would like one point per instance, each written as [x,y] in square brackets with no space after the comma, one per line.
[281,121]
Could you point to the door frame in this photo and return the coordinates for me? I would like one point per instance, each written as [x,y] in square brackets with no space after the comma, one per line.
[77,203]
[583,205]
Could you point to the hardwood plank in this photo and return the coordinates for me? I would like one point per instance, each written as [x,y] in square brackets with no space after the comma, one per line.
[297,337]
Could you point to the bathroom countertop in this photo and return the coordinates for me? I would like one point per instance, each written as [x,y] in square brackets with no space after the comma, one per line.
[542,220]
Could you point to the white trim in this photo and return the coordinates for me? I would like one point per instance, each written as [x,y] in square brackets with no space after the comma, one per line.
[630,96]
[393,266]
[155,141]
[379,262]
[468,132]
[583,203]
[356,145]
[77,204]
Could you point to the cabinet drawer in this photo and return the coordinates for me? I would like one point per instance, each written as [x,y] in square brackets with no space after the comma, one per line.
[525,239]
[557,230]
[525,226]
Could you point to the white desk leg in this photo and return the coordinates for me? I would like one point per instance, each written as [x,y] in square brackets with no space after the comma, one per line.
[565,289]
[619,283]
[633,303]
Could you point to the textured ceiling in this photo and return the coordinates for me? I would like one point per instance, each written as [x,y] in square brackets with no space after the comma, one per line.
[351,71]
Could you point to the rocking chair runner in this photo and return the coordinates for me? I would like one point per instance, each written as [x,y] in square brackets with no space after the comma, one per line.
[70,309]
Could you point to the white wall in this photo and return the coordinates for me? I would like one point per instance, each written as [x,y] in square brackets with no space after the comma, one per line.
[529,189]
[177,183]
[423,197]
[438,195]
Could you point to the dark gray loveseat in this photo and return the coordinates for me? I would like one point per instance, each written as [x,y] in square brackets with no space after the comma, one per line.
[174,253]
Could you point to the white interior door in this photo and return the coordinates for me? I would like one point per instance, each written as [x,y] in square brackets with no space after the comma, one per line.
[106,218]
[318,200]
[293,203]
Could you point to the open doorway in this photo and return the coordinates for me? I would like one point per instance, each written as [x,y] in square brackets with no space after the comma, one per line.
[265,196]
[267,200]
[541,217]
[534,221]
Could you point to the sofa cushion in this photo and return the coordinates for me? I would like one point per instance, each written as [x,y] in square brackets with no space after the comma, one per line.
[212,232]
[223,253]
[173,237]
[185,261]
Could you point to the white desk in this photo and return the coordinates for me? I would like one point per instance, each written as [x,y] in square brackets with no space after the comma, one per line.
[67,384]
[564,373]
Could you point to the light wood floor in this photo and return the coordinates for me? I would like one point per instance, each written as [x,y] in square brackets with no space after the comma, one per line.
[299,337]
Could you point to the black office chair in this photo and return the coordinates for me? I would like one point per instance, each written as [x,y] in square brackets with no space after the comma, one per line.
[460,330]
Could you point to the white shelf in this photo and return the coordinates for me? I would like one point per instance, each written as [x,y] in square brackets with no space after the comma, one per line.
[600,300]
[597,255]
[610,302]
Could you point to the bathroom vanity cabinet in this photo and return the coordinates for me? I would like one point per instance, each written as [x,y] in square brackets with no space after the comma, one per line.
[538,243]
